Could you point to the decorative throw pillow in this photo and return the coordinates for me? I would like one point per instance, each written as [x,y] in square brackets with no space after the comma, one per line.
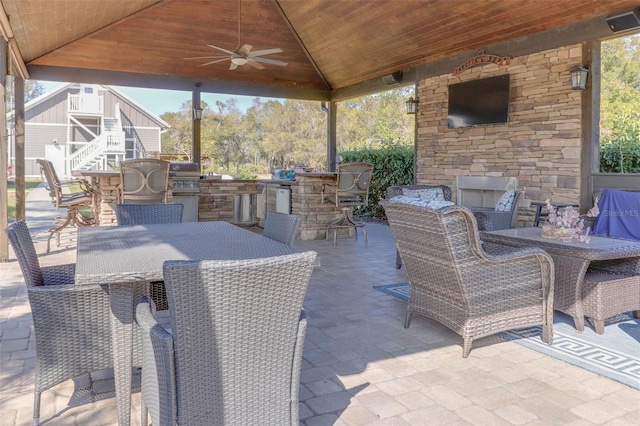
[414,193]
[415,201]
[506,201]
[432,194]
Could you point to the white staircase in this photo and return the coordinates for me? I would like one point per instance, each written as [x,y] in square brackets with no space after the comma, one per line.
[110,142]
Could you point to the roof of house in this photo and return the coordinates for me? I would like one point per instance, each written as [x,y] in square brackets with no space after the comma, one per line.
[61,88]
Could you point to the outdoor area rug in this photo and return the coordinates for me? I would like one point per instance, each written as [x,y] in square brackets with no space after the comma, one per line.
[614,354]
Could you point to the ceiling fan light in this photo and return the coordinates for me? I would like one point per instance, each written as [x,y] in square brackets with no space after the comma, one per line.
[239,61]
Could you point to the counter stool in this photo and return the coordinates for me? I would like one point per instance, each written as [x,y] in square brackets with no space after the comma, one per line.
[346,221]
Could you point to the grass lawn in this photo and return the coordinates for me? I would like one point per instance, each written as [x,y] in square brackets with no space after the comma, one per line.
[11,195]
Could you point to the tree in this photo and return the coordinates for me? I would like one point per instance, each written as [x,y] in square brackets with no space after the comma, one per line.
[620,106]
[32,89]
[179,137]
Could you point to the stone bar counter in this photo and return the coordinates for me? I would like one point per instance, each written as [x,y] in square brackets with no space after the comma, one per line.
[306,202]
[217,197]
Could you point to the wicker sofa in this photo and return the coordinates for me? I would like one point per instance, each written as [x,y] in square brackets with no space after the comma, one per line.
[455,282]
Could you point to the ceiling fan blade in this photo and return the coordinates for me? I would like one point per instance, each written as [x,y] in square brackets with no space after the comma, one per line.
[233,66]
[215,62]
[220,48]
[208,57]
[269,61]
[265,52]
[254,64]
[245,49]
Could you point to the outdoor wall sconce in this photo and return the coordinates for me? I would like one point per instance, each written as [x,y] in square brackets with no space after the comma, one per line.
[411,106]
[197,113]
[579,75]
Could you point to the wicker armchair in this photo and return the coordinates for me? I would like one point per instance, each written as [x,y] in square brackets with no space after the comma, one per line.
[71,323]
[234,353]
[484,220]
[281,227]
[455,282]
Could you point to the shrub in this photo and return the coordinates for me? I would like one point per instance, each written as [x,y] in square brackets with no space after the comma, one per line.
[392,165]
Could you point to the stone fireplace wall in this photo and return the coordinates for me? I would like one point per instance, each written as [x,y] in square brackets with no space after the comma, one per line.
[540,145]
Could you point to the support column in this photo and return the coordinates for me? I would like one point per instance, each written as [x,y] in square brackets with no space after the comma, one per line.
[331,110]
[4,160]
[18,92]
[196,155]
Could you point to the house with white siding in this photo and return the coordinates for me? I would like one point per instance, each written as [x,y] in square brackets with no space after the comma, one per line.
[83,126]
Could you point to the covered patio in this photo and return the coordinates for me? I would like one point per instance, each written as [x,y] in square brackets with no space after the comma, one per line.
[360,367]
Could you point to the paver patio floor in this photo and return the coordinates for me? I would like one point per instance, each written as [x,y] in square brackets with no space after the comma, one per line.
[361,367]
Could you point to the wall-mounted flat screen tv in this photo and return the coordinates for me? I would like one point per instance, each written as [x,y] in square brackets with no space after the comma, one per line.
[477,102]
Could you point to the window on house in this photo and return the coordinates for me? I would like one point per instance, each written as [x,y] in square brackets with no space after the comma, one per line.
[620,105]
[88,90]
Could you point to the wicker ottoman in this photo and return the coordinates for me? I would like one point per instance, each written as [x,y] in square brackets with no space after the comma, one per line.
[605,295]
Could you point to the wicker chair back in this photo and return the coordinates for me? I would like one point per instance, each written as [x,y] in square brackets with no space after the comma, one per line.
[148,214]
[25,252]
[235,349]
[281,227]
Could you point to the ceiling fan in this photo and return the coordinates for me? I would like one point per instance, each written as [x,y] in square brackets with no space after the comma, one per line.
[243,55]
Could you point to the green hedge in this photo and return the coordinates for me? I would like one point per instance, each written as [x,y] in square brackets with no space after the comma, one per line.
[393,165]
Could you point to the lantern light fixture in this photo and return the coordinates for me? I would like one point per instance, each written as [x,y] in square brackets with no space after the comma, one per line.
[579,75]
[411,106]
[197,112]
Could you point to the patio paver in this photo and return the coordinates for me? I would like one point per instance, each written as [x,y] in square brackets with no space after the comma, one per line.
[361,366]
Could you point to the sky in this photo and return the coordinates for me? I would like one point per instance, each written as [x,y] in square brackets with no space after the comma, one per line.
[161,101]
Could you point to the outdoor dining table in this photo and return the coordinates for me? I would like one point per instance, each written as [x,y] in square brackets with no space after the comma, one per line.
[123,257]
[571,258]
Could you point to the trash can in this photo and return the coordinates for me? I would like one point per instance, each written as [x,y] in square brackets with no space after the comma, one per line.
[243,208]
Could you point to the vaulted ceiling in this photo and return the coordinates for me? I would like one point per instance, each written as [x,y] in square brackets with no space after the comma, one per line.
[332,47]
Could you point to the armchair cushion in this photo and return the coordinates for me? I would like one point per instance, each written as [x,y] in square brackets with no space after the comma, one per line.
[415,201]
[505,203]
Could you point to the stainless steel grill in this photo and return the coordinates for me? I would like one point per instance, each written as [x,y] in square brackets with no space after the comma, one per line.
[186,187]
[186,178]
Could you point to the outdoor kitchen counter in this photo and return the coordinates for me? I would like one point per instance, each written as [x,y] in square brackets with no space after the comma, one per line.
[306,202]
[216,199]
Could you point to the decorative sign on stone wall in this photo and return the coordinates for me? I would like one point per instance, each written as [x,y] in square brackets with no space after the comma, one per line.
[481,59]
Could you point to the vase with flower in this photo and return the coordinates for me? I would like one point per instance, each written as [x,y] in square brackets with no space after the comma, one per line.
[567,224]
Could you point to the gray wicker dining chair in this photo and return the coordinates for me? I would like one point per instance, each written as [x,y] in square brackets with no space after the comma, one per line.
[455,282]
[281,227]
[234,353]
[137,214]
[71,323]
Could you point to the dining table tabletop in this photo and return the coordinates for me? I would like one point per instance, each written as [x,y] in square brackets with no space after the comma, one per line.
[126,258]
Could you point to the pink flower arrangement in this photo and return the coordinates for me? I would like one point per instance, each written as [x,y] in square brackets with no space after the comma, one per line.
[569,218]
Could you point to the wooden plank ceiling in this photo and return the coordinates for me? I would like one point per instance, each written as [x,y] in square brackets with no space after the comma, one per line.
[328,44]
